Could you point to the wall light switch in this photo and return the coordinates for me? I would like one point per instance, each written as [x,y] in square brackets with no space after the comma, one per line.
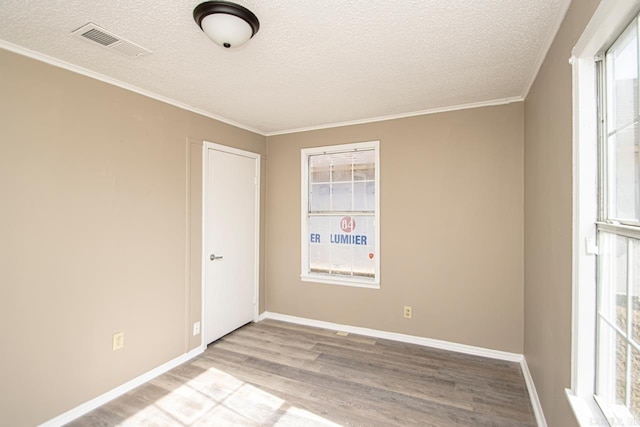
[196,328]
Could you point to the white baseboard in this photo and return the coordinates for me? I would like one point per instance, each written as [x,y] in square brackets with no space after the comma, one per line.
[427,342]
[533,394]
[412,339]
[92,404]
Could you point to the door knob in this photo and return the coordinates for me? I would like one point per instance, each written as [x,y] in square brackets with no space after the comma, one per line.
[213,257]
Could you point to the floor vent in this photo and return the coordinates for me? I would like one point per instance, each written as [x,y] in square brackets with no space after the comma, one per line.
[104,38]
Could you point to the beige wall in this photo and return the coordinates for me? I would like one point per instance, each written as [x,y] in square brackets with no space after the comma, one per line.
[548,219]
[94,228]
[451,228]
[100,230]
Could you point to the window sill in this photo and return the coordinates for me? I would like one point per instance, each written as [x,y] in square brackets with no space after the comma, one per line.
[586,410]
[588,413]
[358,283]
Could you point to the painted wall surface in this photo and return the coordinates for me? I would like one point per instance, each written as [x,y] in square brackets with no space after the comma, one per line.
[451,228]
[100,232]
[548,219]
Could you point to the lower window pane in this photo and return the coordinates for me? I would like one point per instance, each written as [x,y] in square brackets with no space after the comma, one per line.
[342,245]
[621,370]
[612,287]
[635,384]
[635,292]
[612,367]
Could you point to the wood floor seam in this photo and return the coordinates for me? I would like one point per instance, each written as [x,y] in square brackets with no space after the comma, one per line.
[277,373]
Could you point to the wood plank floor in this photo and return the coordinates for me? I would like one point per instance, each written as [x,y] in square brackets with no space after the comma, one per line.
[276,373]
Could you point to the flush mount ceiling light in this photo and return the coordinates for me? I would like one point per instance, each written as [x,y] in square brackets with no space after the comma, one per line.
[227,24]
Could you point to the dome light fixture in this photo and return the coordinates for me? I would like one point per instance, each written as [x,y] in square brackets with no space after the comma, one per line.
[227,24]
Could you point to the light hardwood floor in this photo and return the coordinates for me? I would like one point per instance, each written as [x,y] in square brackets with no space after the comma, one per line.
[276,373]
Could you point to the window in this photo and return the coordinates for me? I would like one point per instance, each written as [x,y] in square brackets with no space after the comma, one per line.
[341,214]
[605,376]
[618,265]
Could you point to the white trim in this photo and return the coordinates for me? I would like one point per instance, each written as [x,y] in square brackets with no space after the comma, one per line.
[426,342]
[101,77]
[306,276]
[410,339]
[605,25]
[542,54]
[533,394]
[436,110]
[586,411]
[207,145]
[104,398]
[340,281]
[585,173]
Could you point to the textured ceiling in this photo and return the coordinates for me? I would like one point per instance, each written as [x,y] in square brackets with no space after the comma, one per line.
[313,63]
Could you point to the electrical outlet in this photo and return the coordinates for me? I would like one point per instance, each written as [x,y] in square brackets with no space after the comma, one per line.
[196,328]
[408,312]
[118,341]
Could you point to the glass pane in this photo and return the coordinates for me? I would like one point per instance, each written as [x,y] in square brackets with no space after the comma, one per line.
[319,168]
[622,128]
[621,370]
[364,163]
[342,245]
[624,174]
[341,260]
[364,196]
[635,384]
[319,249]
[341,167]
[622,73]
[332,178]
[341,197]
[635,292]
[612,281]
[612,366]
[320,197]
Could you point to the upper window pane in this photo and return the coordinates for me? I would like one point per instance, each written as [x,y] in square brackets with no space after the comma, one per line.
[342,182]
[623,142]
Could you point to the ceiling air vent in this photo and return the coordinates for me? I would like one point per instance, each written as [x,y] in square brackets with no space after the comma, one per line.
[104,38]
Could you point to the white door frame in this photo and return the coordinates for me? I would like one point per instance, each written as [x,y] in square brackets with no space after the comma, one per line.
[205,173]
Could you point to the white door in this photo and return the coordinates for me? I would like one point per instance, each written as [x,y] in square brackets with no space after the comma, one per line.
[231,196]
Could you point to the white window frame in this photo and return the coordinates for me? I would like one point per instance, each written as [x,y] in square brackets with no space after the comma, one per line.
[607,23]
[307,276]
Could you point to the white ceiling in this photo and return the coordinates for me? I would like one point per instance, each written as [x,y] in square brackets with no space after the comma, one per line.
[313,63]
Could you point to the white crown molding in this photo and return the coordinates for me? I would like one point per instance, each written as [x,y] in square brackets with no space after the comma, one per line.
[92,404]
[100,77]
[97,76]
[491,103]
[542,54]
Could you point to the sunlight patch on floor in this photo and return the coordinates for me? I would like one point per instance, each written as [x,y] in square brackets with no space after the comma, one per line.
[215,398]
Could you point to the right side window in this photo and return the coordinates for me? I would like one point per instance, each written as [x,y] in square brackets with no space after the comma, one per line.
[618,266]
